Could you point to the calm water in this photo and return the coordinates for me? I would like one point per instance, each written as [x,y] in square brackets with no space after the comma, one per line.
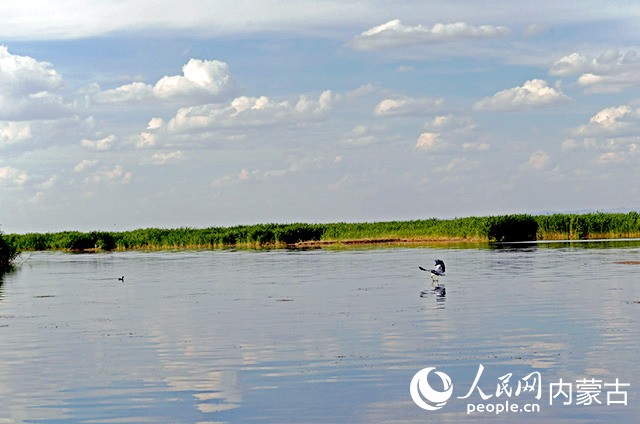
[317,336]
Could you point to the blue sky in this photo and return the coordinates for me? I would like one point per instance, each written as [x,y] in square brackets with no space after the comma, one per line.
[117,115]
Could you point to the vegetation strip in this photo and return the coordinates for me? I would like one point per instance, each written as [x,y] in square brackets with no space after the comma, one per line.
[8,253]
[503,228]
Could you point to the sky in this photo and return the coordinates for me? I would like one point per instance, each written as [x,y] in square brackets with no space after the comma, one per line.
[117,115]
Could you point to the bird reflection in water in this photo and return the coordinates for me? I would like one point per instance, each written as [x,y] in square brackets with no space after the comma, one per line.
[438,291]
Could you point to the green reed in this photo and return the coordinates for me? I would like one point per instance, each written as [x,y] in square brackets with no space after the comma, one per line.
[518,227]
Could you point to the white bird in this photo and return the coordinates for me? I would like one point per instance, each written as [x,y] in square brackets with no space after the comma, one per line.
[437,271]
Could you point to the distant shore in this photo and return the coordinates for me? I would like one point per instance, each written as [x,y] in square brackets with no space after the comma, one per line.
[501,228]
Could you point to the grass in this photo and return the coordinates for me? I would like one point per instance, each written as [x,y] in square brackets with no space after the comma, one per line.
[503,228]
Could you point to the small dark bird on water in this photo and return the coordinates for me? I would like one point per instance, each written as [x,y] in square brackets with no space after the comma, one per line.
[121,278]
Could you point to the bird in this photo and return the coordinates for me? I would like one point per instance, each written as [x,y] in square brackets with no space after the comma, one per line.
[121,278]
[437,271]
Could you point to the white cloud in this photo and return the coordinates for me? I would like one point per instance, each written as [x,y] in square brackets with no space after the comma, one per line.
[476,147]
[12,132]
[611,135]
[210,78]
[146,140]
[609,118]
[155,123]
[611,157]
[456,164]
[163,158]
[110,175]
[406,106]
[48,183]
[450,122]
[394,34]
[429,141]
[85,165]
[612,71]
[569,145]
[538,161]
[136,92]
[451,131]
[611,121]
[249,111]
[28,88]
[362,91]
[99,145]
[362,135]
[533,93]
[12,176]
[202,81]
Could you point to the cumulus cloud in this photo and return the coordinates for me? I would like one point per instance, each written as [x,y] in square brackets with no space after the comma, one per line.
[532,94]
[248,111]
[430,141]
[362,91]
[394,34]
[12,176]
[202,81]
[29,89]
[456,164]
[611,157]
[362,135]
[146,139]
[451,123]
[611,121]
[85,165]
[406,106]
[538,161]
[610,72]
[48,183]
[110,175]
[136,92]
[476,147]
[163,158]
[99,145]
[13,132]
[450,132]
[611,134]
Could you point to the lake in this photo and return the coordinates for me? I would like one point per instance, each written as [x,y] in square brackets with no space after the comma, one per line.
[543,332]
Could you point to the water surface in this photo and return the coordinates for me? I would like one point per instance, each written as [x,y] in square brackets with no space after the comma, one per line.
[314,336]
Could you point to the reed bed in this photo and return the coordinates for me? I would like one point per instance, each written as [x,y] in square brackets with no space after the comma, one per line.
[503,228]
[8,253]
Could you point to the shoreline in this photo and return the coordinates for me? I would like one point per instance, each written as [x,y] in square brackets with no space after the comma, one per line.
[347,243]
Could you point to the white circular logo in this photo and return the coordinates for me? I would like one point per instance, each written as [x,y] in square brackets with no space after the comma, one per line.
[423,394]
